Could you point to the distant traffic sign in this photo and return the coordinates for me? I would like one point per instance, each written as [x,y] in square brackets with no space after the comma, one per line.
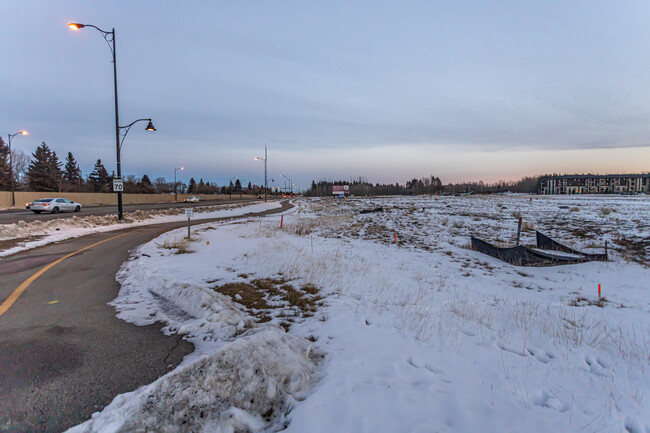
[118,185]
[189,213]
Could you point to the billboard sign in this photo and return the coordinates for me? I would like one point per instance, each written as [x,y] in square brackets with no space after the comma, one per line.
[340,189]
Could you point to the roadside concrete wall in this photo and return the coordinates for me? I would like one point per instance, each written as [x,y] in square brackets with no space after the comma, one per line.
[86,198]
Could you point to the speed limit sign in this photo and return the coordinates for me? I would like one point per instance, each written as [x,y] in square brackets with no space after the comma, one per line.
[118,185]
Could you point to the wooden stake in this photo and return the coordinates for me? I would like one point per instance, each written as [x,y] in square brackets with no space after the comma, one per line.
[395,237]
[281,220]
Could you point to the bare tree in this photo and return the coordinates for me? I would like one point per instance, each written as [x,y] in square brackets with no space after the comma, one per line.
[20,162]
[162,186]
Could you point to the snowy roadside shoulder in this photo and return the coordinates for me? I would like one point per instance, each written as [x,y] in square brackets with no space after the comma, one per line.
[244,375]
[27,235]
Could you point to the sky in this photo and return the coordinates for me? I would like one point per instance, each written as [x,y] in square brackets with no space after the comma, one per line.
[385,90]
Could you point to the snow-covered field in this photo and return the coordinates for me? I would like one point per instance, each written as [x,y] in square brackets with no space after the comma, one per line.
[25,235]
[423,335]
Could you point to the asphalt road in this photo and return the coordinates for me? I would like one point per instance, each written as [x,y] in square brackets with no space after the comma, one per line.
[63,353]
[15,215]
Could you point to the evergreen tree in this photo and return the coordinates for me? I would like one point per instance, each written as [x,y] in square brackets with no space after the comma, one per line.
[71,169]
[145,185]
[237,185]
[250,187]
[201,189]
[54,170]
[44,172]
[191,189]
[5,178]
[71,174]
[99,179]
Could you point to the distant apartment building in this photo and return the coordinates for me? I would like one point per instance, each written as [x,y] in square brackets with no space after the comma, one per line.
[596,184]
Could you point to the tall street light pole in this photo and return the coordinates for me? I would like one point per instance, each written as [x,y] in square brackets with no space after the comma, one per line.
[285,183]
[266,157]
[175,184]
[109,37]
[11,165]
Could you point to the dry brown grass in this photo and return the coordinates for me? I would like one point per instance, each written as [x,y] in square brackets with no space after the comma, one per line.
[527,226]
[581,301]
[182,246]
[309,289]
[266,298]
[295,298]
[634,249]
[249,295]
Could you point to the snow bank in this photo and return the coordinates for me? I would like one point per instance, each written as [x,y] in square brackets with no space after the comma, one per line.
[248,385]
[59,229]
[148,295]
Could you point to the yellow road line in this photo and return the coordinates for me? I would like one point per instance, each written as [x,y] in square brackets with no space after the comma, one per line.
[19,291]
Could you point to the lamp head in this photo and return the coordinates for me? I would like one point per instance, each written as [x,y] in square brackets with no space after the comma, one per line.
[256,158]
[150,127]
[182,168]
[24,132]
[76,26]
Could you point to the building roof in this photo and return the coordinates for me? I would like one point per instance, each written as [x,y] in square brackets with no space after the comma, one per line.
[597,176]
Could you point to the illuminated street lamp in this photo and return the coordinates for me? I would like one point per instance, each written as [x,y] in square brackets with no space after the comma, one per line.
[265,179]
[109,37]
[125,129]
[284,189]
[175,184]
[285,183]
[11,165]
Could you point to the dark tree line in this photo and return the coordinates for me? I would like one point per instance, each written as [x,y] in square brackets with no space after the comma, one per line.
[44,172]
[528,184]
[426,185]
[360,186]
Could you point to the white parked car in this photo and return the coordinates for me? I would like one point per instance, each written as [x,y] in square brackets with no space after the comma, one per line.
[192,199]
[53,205]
